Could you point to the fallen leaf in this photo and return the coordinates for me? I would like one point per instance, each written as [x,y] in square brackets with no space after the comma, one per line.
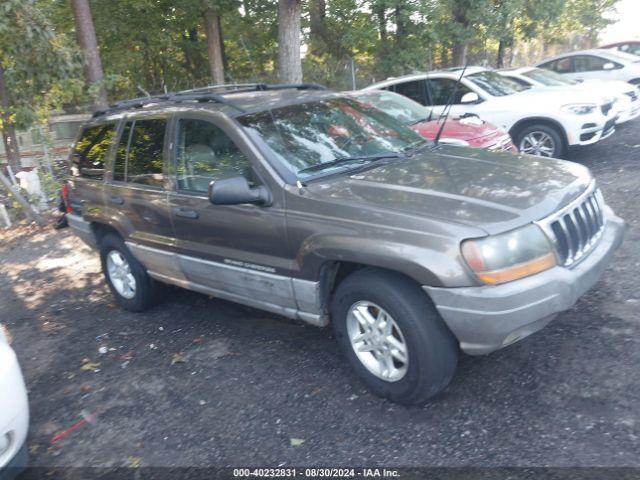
[296,442]
[177,358]
[89,366]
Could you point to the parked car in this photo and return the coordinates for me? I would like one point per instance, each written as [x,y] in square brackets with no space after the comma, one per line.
[540,121]
[596,64]
[466,131]
[631,46]
[311,205]
[627,97]
[14,411]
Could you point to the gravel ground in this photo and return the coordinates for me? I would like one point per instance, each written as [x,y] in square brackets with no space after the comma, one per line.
[203,382]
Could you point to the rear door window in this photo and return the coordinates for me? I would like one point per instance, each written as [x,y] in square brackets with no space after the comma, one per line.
[140,153]
[413,90]
[90,151]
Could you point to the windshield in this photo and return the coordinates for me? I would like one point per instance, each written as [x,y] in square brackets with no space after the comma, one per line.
[398,106]
[314,133]
[496,85]
[549,78]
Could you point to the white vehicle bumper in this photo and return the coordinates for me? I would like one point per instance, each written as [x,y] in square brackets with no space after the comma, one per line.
[589,129]
[14,412]
[629,110]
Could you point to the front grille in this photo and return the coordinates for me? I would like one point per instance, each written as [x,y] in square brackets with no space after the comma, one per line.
[606,107]
[633,95]
[576,230]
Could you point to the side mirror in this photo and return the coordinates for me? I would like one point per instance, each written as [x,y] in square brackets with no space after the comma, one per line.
[470,97]
[608,66]
[236,190]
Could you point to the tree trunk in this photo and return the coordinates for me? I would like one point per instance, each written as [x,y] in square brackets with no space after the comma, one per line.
[460,47]
[9,137]
[214,45]
[382,23]
[460,54]
[289,63]
[500,59]
[86,36]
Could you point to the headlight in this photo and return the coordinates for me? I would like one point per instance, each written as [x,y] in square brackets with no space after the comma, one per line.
[580,108]
[454,141]
[509,256]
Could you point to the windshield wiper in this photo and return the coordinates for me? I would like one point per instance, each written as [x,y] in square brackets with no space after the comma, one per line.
[346,160]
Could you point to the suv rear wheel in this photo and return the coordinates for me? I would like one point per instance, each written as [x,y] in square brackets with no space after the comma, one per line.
[541,140]
[393,336]
[128,280]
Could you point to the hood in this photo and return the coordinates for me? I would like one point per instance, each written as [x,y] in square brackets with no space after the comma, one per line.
[548,98]
[461,129]
[495,192]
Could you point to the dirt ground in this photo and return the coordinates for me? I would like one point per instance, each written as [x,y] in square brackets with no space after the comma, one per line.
[203,382]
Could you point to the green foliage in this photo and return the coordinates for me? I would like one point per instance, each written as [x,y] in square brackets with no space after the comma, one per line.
[153,45]
[40,67]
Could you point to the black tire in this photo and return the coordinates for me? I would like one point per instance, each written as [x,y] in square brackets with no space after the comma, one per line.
[432,349]
[560,145]
[147,292]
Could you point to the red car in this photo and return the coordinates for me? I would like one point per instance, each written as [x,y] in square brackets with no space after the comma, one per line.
[467,131]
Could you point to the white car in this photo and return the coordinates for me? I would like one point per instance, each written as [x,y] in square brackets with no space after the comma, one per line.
[14,411]
[597,63]
[627,96]
[541,122]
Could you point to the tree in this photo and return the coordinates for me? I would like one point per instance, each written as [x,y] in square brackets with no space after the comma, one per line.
[32,61]
[289,62]
[86,37]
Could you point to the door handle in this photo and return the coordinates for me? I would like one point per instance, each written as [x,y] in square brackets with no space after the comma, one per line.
[118,200]
[185,213]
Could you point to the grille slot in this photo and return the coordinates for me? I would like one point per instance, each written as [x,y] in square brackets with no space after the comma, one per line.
[633,95]
[577,230]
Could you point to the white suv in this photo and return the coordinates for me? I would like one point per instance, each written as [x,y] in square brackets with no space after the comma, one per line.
[14,411]
[627,96]
[596,64]
[541,122]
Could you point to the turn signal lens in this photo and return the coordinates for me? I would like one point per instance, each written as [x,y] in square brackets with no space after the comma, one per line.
[509,256]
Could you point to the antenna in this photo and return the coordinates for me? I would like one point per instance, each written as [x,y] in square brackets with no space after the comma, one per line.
[447,107]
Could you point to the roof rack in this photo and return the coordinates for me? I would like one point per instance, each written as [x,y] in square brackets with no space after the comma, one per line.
[251,87]
[205,94]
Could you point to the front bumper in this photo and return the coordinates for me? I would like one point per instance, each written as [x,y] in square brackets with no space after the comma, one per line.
[630,111]
[487,318]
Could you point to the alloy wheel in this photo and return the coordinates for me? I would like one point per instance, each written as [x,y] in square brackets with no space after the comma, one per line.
[120,274]
[377,341]
[538,143]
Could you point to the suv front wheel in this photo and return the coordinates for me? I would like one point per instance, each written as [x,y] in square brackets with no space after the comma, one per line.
[128,280]
[392,336]
[541,140]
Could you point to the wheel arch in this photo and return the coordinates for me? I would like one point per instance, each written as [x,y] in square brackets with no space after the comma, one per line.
[525,122]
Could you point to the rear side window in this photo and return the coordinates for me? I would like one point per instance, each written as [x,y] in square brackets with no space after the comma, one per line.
[139,156]
[90,151]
